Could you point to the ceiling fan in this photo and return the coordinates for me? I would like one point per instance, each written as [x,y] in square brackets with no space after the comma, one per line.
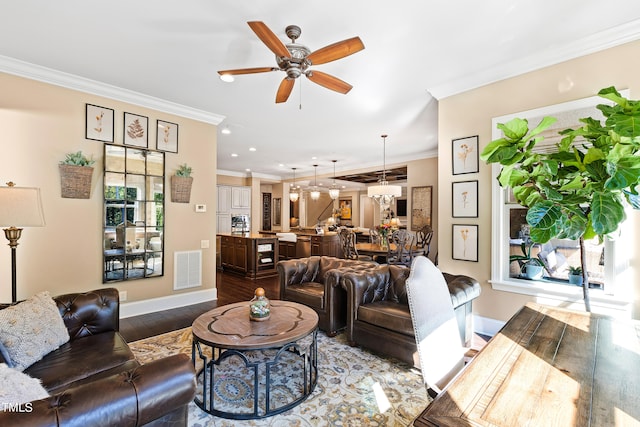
[296,59]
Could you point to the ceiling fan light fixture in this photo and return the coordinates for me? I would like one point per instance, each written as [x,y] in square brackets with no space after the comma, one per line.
[227,78]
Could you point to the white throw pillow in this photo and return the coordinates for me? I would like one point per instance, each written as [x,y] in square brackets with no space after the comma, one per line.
[31,329]
[18,387]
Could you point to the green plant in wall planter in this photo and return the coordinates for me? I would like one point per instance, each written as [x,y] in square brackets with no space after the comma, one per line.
[181,184]
[576,191]
[76,171]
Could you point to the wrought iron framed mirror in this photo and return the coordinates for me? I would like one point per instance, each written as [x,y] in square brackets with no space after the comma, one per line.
[133,219]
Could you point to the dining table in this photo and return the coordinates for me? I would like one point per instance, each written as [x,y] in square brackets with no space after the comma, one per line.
[547,366]
[378,249]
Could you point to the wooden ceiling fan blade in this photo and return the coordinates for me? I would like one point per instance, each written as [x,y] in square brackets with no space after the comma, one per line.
[284,90]
[329,81]
[269,38]
[336,50]
[248,70]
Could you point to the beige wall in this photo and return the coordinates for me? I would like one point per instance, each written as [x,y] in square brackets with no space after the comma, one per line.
[40,124]
[470,113]
[422,173]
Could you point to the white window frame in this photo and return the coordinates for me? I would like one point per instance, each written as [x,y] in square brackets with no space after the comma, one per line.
[614,299]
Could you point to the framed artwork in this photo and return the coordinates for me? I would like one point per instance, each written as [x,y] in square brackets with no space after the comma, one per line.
[136,130]
[464,197]
[421,207]
[98,123]
[277,211]
[167,136]
[345,208]
[465,155]
[465,242]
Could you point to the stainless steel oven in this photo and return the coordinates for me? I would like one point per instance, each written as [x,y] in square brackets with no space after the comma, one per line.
[240,224]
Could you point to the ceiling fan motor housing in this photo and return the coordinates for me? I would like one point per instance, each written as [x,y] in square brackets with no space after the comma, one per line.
[297,63]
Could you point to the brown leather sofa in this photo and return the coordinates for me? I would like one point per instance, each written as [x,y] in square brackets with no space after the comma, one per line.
[315,282]
[378,316]
[95,380]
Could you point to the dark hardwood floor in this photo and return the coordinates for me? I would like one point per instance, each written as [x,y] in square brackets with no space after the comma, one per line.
[231,288]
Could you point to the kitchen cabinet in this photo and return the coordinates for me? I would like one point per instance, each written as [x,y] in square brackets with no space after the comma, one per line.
[326,244]
[240,197]
[252,255]
[223,223]
[224,199]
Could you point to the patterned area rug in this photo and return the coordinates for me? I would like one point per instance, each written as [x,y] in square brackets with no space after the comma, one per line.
[355,388]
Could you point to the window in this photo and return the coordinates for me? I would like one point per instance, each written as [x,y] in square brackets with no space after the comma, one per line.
[606,266]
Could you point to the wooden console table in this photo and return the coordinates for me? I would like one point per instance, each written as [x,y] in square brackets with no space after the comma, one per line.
[547,367]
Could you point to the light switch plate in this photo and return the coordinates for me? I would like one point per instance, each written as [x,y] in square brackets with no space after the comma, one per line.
[204,244]
[201,208]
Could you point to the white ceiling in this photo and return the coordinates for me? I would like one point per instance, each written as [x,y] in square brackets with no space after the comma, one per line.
[415,50]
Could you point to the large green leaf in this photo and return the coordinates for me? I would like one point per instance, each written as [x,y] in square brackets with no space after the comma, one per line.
[543,215]
[514,129]
[606,213]
[492,147]
[612,94]
[625,124]
[624,173]
[512,176]
[544,124]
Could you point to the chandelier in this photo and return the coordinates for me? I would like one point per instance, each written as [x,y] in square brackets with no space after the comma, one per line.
[383,193]
[315,193]
[334,191]
[293,193]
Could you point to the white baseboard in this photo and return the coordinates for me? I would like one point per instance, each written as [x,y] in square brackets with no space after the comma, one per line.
[486,325]
[136,308]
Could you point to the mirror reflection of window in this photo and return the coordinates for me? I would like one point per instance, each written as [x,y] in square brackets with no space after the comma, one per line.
[133,213]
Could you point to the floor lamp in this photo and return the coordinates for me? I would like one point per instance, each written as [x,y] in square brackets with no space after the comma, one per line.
[19,207]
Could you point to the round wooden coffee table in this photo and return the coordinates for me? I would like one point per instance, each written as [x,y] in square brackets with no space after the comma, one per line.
[250,363]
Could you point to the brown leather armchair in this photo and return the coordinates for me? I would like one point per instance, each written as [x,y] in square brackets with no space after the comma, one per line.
[94,378]
[315,282]
[378,315]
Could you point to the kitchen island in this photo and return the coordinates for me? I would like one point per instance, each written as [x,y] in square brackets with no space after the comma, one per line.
[308,243]
[250,254]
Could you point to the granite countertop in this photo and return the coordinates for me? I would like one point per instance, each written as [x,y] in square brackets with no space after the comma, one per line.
[249,235]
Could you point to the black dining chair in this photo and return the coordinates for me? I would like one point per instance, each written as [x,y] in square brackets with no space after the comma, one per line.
[423,239]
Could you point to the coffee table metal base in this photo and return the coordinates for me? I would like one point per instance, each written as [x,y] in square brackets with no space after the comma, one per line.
[304,350]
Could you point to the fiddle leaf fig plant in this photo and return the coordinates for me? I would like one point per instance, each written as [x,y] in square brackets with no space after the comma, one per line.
[576,191]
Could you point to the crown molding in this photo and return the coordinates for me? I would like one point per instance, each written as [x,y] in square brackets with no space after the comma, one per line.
[587,45]
[70,81]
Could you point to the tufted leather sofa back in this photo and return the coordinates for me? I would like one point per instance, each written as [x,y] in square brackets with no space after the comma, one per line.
[91,312]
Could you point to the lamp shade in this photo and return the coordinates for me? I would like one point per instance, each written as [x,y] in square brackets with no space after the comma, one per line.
[20,207]
[384,189]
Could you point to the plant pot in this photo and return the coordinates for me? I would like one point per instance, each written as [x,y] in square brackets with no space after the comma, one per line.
[75,181]
[181,188]
[575,279]
[533,271]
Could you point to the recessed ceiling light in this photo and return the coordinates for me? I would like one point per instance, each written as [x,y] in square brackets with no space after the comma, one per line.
[234,154]
[252,149]
[248,170]
[281,165]
[228,78]
[313,158]
[225,130]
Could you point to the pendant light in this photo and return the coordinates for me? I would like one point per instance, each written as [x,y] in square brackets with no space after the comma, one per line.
[293,193]
[334,191]
[315,193]
[384,193]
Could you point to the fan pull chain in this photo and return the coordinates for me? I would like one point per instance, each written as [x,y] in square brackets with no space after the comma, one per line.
[300,85]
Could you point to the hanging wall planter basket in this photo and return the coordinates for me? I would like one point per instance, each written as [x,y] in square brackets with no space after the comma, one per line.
[181,188]
[75,181]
